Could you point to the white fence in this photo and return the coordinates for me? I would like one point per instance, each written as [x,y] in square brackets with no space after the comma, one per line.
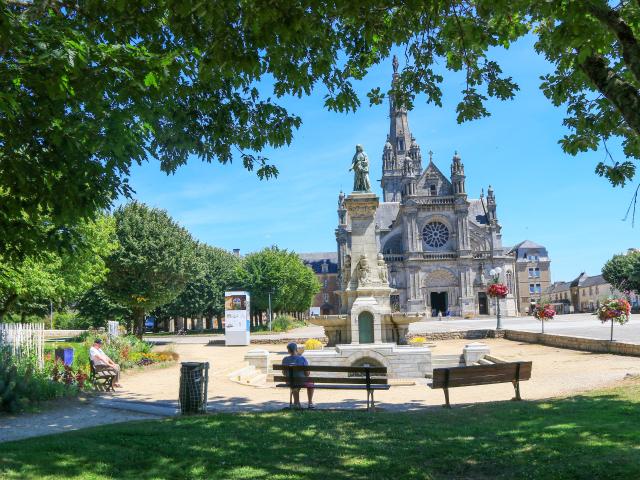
[24,339]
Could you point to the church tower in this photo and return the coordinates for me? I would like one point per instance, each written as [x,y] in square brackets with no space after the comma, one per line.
[401,157]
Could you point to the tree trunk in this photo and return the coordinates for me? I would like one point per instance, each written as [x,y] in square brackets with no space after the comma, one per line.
[622,95]
[138,322]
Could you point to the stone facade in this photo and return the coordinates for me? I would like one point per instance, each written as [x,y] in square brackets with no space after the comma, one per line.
[584,294]
[532,273]
[438,244]
[325,266]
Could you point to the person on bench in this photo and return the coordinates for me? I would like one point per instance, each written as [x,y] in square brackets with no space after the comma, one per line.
[299,376]
[102,362]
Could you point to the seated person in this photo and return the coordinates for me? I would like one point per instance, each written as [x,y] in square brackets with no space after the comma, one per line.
[299,376]
[102,362]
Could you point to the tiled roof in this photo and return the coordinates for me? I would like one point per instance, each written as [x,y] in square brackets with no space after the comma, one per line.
[316,259]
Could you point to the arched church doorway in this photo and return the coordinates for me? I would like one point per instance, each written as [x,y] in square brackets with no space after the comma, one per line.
[439,302]
[483,304]
[365,327]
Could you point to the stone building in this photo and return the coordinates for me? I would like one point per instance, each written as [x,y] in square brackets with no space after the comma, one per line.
[439,244]
[532,273]
[585,293]
[325,266]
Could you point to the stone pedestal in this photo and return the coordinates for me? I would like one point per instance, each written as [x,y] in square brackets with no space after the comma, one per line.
[473,352]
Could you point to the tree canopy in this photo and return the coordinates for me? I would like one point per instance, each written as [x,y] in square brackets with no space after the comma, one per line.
[87,89]
[29,285]
[204,293]
[153,263]
[623,272]
[281,272]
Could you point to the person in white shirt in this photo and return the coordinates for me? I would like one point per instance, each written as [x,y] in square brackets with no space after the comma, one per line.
[102,362]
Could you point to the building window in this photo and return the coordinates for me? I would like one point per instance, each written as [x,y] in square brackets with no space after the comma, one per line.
[435,234]
[534,272]
[326,283]
[590,291]
[509,277]
[325,267]
[535,288]
[325,297]
[432,190]
[597,290]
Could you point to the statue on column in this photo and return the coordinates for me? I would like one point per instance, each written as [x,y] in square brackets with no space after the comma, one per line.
[364,271]
[360,167]
[346,275]
[382,270]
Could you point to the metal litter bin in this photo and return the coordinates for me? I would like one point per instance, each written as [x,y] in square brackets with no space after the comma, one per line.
[194,379]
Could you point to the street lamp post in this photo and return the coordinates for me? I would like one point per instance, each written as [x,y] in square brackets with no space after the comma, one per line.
[270,314]
[495,273]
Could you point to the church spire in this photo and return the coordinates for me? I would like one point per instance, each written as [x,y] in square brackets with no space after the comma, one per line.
[399,132]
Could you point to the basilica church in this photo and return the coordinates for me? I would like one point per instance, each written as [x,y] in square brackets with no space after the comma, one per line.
[439,245]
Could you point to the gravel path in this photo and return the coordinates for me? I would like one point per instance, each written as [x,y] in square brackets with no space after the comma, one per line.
[555,372]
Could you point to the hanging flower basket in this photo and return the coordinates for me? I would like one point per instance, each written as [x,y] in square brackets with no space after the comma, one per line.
[543,311]
[497,290]
[615,310]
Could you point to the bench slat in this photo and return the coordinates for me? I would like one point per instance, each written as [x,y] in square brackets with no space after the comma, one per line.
[357,380]
[343,387]
[321,368]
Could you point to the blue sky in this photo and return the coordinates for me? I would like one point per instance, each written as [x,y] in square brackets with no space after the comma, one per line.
[543,194]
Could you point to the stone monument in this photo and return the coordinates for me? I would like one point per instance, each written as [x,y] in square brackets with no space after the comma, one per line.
[370,332]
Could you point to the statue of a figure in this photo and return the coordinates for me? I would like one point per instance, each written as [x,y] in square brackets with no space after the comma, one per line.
[346,275]
[360,167]
[364,272]
[382,270]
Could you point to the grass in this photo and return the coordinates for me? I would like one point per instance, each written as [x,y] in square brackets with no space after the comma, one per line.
[590,436]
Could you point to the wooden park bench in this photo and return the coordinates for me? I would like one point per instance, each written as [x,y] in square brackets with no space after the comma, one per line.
[513,372]
[358,378]
[102,380]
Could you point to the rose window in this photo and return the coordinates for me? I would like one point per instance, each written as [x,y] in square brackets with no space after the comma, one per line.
[435,234]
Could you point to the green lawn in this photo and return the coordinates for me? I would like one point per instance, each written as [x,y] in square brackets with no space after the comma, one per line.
[591,436]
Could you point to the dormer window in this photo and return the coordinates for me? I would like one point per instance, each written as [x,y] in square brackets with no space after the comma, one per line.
[432,190]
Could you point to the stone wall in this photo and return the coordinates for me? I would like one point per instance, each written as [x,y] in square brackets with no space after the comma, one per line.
[465,334]
[62,333]
[574,343]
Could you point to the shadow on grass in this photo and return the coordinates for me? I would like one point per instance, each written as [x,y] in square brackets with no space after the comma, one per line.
[587,436]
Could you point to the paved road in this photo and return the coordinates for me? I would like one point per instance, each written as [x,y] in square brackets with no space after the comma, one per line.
[580,325]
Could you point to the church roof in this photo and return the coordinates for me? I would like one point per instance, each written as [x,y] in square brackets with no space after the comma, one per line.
[386,213]
[476,212]
[527,244]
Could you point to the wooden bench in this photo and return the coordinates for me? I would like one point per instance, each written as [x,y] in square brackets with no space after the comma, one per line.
[513,372]
[103,380]
[359,378]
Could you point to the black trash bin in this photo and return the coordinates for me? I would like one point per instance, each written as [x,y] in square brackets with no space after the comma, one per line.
[194,378]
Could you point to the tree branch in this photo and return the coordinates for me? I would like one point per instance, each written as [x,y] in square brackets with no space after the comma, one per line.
[623,95]
[628,42]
